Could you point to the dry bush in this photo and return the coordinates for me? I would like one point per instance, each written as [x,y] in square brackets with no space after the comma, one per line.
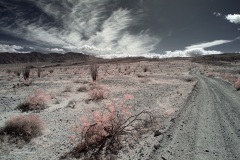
[67,89]
[210,74]
[237,84]
[145,69]
[17,72]
[35,101]
[77,81]
[97,93]
[23,126]
[188,79]
[94,72]
[39,70]
[8,71]
[228,77]
[27,82]
[50,70]
[26,72]
[105,132]
[82,89]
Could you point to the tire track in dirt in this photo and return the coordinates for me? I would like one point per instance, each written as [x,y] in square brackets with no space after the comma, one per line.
[208,128]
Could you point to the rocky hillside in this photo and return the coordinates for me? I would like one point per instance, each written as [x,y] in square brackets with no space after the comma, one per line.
[7,58]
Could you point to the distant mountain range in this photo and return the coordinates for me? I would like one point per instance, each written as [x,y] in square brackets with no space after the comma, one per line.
[8,58]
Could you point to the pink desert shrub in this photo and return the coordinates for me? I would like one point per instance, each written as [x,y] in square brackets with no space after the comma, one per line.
[228,77]
[97,93]
[35,101]
[210,74]
[237,84]
[104,131]
[24,126]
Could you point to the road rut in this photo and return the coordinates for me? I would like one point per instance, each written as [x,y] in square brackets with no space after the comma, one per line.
[208,128]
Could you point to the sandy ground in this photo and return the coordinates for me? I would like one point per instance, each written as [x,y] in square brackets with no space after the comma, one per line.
[167,89]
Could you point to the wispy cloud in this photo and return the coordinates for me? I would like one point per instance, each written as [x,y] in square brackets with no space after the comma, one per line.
[217,14]
[189,53]
[233,18]
[209,44]
[73,25]
[56,50]
[10,48]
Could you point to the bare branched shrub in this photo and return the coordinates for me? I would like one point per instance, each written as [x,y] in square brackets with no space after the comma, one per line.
[35,101]
[23,126]
[26,72]
[104,133]
[237,84]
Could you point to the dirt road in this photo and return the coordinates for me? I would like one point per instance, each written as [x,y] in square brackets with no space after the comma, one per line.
[208,127]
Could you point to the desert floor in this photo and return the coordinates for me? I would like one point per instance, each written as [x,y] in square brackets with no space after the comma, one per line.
[196,108]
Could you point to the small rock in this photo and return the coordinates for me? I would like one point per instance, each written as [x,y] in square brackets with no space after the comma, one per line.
[157,133]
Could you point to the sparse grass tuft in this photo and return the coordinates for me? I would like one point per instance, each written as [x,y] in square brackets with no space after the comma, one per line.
[23,126]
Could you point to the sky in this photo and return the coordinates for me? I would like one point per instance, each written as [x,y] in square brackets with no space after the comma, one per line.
[119,28]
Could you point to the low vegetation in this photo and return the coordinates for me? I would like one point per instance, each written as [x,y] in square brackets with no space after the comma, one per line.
[97,93]
[26,72]
[104,133]
[35,101]
[94,71]
[24,126]
[237,84]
